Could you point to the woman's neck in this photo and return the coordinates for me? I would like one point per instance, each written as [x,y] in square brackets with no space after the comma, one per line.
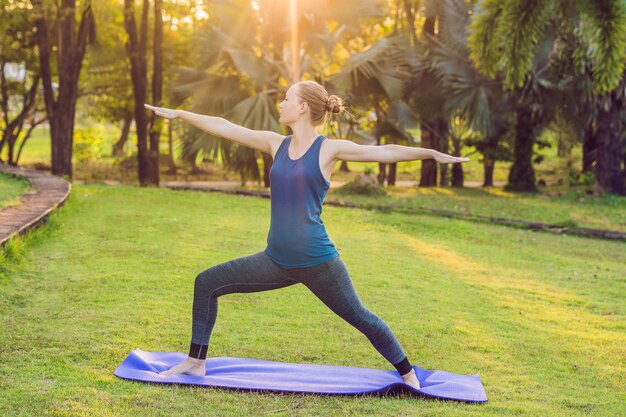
[303,133]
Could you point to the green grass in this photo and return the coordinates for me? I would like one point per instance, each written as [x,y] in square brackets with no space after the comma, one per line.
[540,317]
[11,188]
[574,208]
[37,148]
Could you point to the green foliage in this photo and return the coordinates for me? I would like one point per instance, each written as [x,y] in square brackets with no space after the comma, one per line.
[482,41]
[606,33]
[520,32]
[88,144]
[11,253]
[581,178]
[505,36]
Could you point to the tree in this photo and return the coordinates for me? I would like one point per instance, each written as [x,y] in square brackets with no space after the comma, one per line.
[243,68]
[157,91]
[19,79]
[446,86]
[506,37]
[377,78]
[105,88]
[137,45]
[435,130]
[70,49]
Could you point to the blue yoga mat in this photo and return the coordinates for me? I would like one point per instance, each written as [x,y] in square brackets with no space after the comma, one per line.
[254,374]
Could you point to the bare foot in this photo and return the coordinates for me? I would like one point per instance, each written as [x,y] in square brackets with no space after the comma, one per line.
[191,366]
[411,379]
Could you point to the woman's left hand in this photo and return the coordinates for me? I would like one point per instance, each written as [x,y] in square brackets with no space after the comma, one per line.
[443,158]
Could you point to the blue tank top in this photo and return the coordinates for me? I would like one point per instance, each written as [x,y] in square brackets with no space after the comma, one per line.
[297,237]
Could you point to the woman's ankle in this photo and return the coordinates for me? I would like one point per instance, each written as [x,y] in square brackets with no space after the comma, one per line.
[408,374]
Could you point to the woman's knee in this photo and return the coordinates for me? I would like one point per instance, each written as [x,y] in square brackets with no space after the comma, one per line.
[207,279]
[357,316]
[366,319]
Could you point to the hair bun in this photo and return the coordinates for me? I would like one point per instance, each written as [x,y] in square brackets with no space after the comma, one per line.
[334,104]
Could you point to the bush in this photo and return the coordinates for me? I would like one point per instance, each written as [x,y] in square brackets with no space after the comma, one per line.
[88,144]
[365,184]
[582,178]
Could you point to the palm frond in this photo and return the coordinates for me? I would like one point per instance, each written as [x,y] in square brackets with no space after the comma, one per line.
[482,40]
[606,35]
[381,69]
[520,30]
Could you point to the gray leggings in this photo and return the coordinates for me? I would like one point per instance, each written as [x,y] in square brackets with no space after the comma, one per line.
[329,281]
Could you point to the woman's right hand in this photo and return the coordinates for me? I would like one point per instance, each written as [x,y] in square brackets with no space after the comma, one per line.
[164,112]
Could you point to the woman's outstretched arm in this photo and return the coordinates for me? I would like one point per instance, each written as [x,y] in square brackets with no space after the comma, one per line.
[346,150]
[263,140]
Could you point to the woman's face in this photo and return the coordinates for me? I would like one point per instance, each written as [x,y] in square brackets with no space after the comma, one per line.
[291,107]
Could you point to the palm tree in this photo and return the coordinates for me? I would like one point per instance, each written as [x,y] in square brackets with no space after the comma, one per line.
[376,78]
[445,83]
[508,36]
[243,68]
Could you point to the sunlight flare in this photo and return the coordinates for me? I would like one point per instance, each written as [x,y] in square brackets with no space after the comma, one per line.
[295,40]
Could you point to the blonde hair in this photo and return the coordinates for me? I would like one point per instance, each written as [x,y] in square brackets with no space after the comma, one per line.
[319,101]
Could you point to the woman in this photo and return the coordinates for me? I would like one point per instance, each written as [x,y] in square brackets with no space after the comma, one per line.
[298,247]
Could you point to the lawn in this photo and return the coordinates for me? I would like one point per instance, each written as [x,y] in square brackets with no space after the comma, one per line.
[11,189]
[540,317]
[573,208]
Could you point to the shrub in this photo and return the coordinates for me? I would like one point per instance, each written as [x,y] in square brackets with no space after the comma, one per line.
[365,184]
[87,144]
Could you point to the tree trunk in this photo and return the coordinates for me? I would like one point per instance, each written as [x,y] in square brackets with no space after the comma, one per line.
[457,175]
[71,51]
[43,45]
[343,167]
[391,177]
[156,122]
[382,173]
[443,130]
[488,166]
[457,169]
[136,49]
[118,147]
[382,167]
[172,169]
[589,148]
[428,177]
[522,174]
[609,176]
[64,134]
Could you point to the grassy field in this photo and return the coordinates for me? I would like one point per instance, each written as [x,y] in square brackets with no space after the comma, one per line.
[10,189]
[540,317]
[574,208]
